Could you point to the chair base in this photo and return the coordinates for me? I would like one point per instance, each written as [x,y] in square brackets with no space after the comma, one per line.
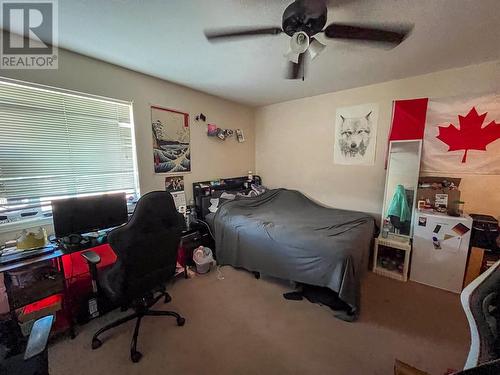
[141,308]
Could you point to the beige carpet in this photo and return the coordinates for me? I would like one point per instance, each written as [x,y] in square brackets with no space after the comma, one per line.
[241,325]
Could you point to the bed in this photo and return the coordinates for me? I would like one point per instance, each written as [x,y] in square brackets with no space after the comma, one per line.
[282,233]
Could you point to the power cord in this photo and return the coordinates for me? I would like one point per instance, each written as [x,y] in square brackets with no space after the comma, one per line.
[220,276]
[208,227]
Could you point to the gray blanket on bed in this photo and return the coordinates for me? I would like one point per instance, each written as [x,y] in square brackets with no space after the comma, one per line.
[284,234]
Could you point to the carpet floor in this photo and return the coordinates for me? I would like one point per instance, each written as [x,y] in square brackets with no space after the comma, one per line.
[241,325]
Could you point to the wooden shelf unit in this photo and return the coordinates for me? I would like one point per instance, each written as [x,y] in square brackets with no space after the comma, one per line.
[393,249]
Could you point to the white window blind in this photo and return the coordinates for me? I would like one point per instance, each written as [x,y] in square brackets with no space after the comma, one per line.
[54,143]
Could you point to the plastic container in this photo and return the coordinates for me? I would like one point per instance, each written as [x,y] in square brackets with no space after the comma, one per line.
[203,259]
[27,326]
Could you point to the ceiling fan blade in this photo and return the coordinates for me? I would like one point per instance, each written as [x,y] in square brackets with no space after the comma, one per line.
[241,32]
[296,70]
[392,36]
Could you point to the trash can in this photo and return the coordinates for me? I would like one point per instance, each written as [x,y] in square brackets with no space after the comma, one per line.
[202,257]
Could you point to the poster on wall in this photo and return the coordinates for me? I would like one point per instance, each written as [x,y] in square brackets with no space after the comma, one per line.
[462,135]
[175,186]
[171,142]
[356,135]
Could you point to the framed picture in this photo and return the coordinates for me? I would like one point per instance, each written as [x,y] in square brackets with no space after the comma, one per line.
[355,135]
[174,183]
[171,140]
[175,186]
[240,136]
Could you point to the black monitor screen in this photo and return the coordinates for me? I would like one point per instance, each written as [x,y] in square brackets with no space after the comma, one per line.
[87,214]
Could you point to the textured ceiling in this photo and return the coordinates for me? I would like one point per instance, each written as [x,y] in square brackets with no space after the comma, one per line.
[165,39]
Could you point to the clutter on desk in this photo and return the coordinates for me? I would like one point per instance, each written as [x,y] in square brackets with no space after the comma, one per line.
[440,194]
[32,240]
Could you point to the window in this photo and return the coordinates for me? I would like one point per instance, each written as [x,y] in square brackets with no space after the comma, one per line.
[56,143]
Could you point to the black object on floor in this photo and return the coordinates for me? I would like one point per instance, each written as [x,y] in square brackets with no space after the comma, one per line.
[293,296]
[317,294]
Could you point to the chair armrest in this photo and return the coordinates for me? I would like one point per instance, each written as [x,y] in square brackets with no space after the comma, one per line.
[91,257]
[39,336]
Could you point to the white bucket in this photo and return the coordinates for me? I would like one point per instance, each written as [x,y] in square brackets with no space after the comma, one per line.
[203,259]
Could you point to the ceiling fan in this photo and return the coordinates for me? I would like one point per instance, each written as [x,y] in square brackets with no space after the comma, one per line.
[302,20]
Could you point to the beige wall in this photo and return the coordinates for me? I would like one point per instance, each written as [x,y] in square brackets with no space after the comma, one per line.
[292,145]
[294,141]
[211,158]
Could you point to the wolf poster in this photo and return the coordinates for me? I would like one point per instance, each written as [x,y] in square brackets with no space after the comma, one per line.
[355,135]
[171,146]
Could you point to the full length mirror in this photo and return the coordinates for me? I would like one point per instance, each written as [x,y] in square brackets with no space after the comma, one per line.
[403,167]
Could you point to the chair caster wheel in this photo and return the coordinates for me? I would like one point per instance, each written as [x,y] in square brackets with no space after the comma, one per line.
[167,298]
[96,343]
[135,356]
[181,321]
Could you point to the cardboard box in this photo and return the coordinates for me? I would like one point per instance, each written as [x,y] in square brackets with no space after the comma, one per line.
[430,192]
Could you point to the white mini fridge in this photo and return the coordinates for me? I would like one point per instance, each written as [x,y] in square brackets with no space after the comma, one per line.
[440,247]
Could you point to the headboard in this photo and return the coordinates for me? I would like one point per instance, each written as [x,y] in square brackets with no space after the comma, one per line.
[203,191]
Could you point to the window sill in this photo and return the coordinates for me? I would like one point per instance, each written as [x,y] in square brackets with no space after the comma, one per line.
[25,224]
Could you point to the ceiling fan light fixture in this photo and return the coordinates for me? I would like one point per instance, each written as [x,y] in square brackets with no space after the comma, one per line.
[299,43]
[315,48]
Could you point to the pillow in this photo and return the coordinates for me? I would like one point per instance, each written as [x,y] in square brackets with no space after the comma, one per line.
[250,194]
[227,196]
[214,204]
[258,189]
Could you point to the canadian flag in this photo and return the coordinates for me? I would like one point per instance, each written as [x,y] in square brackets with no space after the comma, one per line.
[462,135]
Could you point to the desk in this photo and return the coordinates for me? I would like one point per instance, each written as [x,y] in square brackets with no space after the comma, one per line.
[75,276]
[73,282]
[26,262]
[40,289]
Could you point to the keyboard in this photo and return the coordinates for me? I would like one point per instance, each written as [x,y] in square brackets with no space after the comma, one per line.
[26,254]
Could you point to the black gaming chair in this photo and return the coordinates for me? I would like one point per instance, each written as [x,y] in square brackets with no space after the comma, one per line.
[146,248]
[481,303]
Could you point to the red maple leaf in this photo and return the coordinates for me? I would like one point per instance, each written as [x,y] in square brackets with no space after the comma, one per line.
[471,135]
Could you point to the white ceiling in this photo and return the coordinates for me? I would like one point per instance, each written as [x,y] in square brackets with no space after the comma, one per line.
[164,38]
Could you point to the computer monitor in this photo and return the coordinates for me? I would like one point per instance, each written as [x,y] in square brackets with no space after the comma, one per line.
[87,214]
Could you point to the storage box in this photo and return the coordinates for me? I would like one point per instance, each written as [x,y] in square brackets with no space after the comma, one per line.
[38,309]
[429,193]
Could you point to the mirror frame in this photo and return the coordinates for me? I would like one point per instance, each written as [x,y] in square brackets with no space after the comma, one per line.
[384,204]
